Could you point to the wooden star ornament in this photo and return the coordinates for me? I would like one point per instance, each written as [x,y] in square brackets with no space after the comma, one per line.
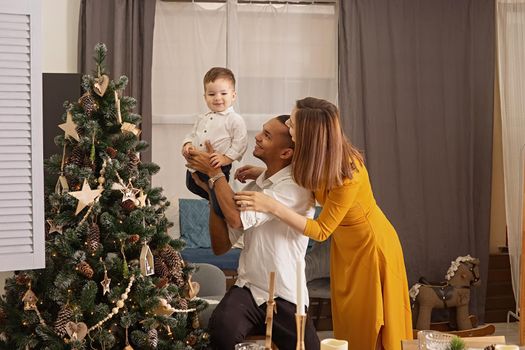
[53,227]
[70,127]
[105,283]
[86,196]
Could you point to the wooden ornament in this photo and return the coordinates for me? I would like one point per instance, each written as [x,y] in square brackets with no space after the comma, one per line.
[53,227]
[62,185]
[70,127]
[86,196]
[29,300]
[76,331]
[163,308]
[101,85]
[128,347]
[146,261]
[132,128]
[192,289]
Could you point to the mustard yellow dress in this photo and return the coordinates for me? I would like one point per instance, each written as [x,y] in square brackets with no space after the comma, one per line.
[369,286]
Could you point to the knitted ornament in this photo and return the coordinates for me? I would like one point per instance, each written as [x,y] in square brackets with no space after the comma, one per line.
[191,340]
[64,316]
[133,238]
[84,268]
[153,338]
[93,237]
[161,283]
[128,206]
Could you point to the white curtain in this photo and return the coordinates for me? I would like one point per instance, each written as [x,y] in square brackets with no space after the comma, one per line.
[511,59]
[278,53]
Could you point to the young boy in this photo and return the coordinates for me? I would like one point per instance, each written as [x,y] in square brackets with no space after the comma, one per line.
[224,128]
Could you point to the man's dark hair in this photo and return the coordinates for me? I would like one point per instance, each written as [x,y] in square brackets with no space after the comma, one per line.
[283,118]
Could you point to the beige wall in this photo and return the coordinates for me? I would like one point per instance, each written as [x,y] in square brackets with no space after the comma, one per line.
[60,37]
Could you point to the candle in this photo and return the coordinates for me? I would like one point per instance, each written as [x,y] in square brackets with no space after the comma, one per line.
[334,344]
[300,287]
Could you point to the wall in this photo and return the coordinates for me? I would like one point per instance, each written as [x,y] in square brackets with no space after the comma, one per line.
[60,22]
[60,38]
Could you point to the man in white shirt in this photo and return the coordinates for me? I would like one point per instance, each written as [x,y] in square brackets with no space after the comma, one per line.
[269,245]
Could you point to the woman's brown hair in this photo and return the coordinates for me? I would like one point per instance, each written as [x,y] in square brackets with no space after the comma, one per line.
[323,156]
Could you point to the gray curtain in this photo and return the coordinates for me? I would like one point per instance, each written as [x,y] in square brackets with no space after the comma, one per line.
[416,95]
[126,27]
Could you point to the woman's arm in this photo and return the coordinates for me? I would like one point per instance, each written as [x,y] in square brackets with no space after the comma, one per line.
[336,206]
[257,201]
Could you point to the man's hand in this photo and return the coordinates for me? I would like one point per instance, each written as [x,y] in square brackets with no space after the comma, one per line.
[217,160]
[186,148]
[200,161]
[248,172]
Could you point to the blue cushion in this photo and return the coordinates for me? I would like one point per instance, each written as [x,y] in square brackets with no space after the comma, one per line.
[228,261]
[193,219]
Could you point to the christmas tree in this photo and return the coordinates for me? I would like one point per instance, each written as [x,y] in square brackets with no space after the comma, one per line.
[114,279]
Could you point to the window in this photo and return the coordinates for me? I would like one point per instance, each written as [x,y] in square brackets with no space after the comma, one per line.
[21,168]
[278,52]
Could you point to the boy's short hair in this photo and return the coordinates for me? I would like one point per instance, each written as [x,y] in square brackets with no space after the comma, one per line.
[219,73]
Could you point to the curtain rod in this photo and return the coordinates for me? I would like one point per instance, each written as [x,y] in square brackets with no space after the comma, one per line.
[266,2]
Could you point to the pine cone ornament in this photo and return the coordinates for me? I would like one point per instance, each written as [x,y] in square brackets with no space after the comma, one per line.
[93,238]
[182,304]
[134,161]
[160,267]
[173,260]
[153,338]
[128,206]
[22,279]
[88,103]
[63,317]
[3,316]
[111,152]
[85,269]
[76,157]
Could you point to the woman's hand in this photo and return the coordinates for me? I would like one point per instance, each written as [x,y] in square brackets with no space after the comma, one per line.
[257,201]
[248,172]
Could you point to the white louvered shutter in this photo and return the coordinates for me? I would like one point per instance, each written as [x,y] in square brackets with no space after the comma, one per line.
[21,164]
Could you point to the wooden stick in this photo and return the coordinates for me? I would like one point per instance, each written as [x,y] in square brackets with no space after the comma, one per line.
[270,309]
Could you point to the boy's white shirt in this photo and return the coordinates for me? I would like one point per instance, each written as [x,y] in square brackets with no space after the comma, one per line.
[225,130]
[269,243]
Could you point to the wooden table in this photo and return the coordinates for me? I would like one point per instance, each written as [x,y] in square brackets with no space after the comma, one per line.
[473,342]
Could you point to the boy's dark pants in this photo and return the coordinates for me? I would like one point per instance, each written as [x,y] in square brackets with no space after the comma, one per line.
[194,188]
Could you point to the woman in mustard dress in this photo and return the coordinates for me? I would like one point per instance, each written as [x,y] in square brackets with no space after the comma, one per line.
[369,288]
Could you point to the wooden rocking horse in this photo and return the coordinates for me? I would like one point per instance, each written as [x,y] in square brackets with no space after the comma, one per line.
[454,292]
